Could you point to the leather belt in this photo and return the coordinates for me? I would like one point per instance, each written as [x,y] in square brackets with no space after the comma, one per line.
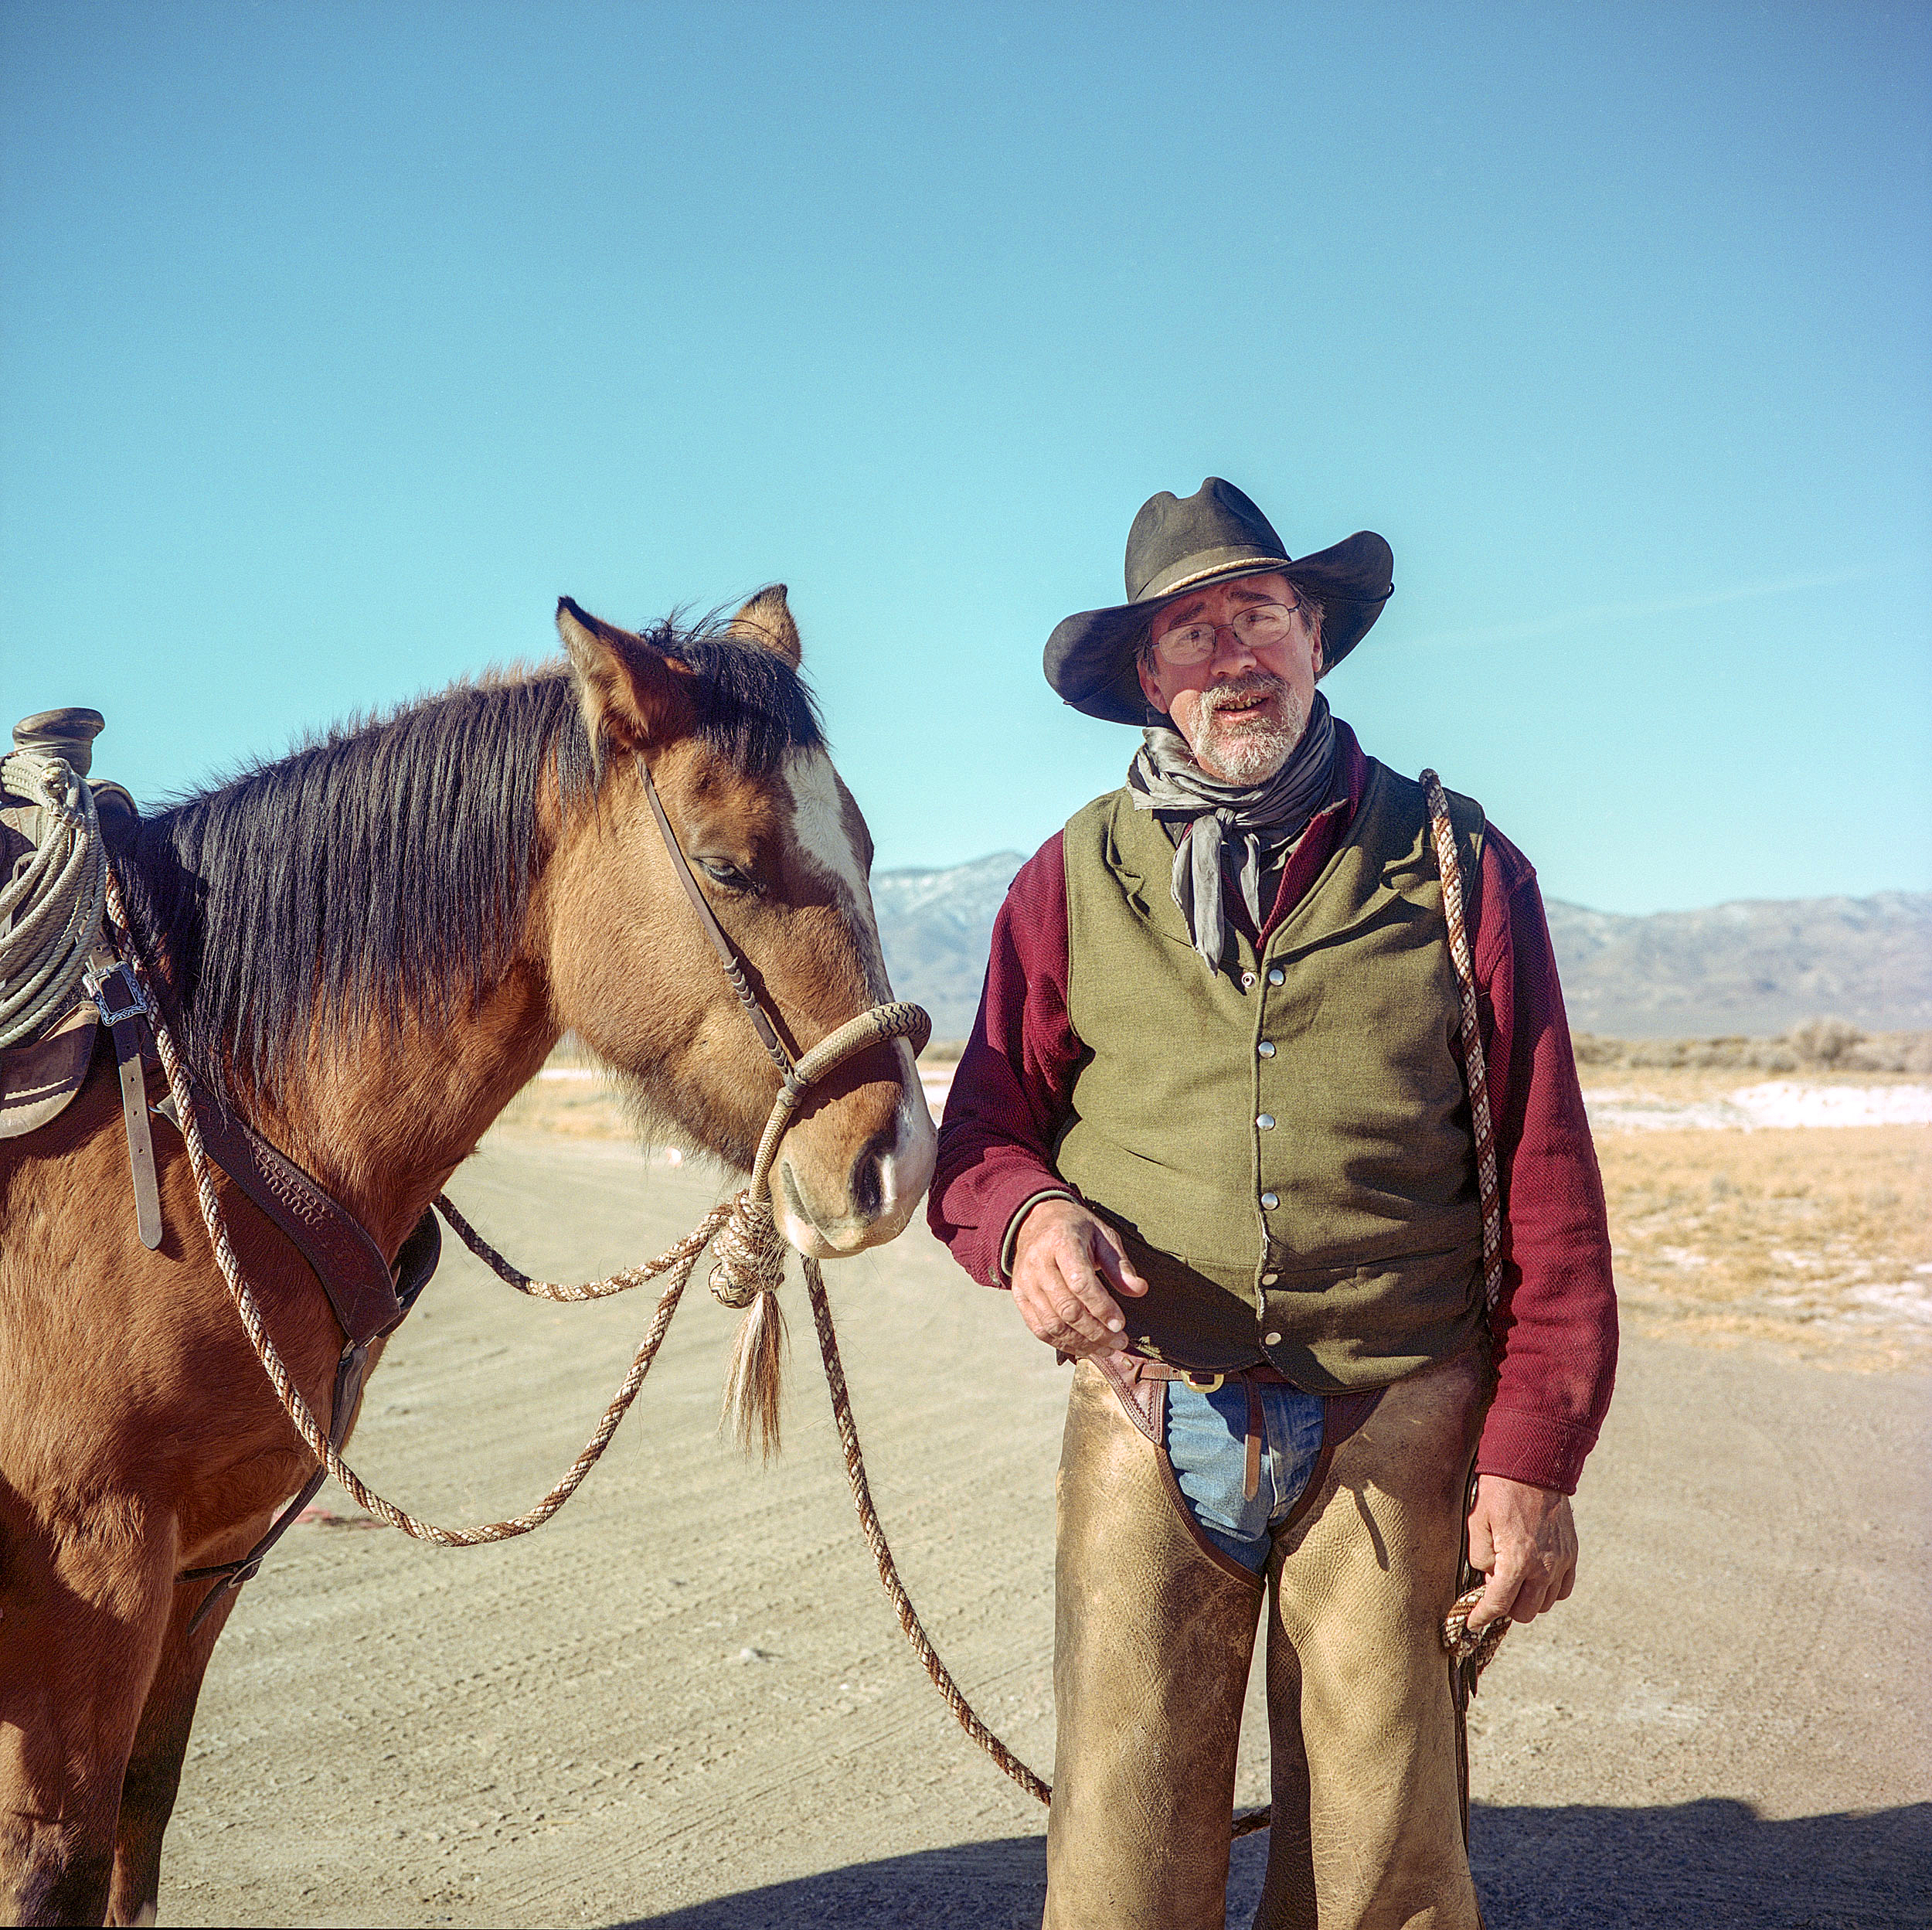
[1341,1413]
[1261,1371]
[1254,1378]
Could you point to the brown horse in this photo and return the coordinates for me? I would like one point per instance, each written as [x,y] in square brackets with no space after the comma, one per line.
[368,948]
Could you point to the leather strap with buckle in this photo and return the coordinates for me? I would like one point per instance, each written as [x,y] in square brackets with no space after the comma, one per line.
[118,996]
[361,1290]
[1261,1371]
[1252,1378]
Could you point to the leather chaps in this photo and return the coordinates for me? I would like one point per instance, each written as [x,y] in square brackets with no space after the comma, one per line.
[1155,1636]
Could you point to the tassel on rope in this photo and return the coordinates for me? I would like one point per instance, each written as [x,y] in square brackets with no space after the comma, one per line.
[755,1386]
[749,1271]
[751,1250]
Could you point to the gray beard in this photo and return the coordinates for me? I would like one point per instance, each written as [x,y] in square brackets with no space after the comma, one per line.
[1217,823]
[1252,753]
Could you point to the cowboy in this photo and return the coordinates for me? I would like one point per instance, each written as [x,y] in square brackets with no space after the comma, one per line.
[1214,1130]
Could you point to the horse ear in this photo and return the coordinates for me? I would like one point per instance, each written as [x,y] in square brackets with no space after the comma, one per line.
[766,620]
[630,695]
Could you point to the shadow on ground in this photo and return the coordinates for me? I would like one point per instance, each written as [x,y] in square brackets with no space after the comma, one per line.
[1713,1863]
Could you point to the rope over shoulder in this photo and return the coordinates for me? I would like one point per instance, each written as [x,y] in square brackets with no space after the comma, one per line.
[1488,1189]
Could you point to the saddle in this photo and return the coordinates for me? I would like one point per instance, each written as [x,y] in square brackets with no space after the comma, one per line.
[39,1076]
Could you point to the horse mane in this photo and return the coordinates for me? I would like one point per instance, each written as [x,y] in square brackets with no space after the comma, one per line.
[380,871]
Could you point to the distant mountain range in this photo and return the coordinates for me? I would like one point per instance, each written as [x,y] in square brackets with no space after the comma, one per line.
[938,927]
[1757,967]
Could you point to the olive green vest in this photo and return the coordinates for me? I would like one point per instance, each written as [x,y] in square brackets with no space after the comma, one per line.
[1283,1145]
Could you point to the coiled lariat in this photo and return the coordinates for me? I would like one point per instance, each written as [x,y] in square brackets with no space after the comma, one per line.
[50,914]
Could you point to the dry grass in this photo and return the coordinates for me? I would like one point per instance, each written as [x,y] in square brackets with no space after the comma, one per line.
[573,1108]
[1819,1240]
[1824,1045]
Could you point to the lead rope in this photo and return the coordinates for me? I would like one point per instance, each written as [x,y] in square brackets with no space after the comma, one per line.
[869,1524]
[964,1713]
[1473,1651]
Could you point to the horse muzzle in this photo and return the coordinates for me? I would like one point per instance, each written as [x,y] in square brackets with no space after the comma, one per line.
[876,1194]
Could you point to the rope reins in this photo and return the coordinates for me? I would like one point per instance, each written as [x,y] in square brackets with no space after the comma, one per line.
[750,1266]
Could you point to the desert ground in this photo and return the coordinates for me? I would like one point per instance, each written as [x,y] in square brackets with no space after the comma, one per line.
[686,1704]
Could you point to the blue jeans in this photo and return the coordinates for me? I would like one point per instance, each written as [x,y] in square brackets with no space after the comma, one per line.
[1207,1441]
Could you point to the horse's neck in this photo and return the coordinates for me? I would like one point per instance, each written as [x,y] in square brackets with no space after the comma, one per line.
[384,1118]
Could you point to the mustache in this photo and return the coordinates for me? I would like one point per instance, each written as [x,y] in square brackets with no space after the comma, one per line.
[1243,691]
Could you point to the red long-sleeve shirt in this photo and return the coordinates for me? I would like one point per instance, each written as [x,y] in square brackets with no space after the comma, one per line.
[1555,1324]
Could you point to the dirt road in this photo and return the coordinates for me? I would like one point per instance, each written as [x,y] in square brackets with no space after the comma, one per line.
[685,1702]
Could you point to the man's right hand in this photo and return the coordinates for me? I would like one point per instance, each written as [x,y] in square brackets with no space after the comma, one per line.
[1065,1262]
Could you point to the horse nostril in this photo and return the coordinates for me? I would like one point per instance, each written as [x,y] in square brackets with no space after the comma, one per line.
[867,1187]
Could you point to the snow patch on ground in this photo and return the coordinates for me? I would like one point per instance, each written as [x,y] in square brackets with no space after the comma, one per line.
[1778,1102]
[1906,1300]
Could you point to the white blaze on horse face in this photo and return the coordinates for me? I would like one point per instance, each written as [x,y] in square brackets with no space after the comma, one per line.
[820,831]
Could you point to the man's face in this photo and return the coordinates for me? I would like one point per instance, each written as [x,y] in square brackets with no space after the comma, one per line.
[1242,707]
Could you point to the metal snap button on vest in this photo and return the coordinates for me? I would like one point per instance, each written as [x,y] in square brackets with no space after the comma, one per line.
[1270,1340]
[1270,1200]
[1247,981]
[1269,1279]
[1266,1048]
[1276,976]
[1266,1121]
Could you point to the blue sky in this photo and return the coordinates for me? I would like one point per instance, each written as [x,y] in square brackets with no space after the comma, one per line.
[336,341]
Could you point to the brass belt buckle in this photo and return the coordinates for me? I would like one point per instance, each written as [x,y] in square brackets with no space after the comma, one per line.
[1202,1382]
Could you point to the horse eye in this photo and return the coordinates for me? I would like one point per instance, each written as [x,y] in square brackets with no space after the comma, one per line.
[718,871]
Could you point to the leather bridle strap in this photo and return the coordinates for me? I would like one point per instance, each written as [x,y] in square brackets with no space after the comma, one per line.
[727,952]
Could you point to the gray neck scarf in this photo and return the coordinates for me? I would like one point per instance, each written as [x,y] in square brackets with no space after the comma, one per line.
[1259,821]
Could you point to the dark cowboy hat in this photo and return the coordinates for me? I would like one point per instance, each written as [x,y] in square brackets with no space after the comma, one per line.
[1177,545]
